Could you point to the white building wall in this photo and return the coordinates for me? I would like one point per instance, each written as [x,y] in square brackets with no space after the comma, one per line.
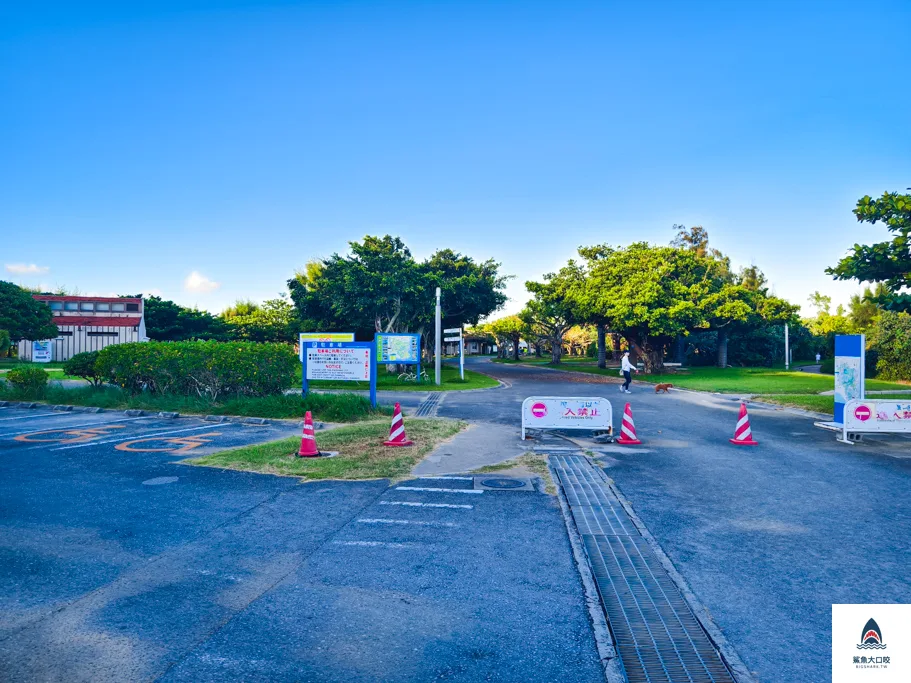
[75,339]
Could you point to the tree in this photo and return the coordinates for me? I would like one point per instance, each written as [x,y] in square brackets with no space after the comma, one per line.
[168,321]
[552,308]
[577,339]
[379,287]
[509,329]
[885,262]
[863,310]
[891,337]
[22,317]
[274,321]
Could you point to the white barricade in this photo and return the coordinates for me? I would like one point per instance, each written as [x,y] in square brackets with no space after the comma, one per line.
[876,416]
[566,412]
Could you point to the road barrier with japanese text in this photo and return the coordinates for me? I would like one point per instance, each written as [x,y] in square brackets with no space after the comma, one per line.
[566,412]
[884,416]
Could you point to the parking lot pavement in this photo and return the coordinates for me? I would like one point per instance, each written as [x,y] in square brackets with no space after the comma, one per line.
[432,581]
[118,563]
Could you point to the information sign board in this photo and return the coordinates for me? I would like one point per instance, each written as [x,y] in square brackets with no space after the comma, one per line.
[307,337]
[398,348]
[849,372]
[42,351]
[339,361]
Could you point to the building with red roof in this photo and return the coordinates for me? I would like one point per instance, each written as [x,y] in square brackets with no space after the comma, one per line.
[89,323]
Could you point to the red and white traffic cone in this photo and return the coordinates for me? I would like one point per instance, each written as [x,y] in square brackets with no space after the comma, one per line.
[308,447]
[743,435]
[397,430]
[628,429]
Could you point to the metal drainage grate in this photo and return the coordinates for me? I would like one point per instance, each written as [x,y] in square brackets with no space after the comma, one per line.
[658,637]
[429,405]
[503,484]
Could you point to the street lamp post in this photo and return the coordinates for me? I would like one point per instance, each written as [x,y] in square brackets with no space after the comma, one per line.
[439,340]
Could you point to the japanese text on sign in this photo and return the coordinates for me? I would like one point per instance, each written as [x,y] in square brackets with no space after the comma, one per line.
[338,363]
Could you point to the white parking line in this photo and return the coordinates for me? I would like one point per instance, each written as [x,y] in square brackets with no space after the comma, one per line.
[142,436]
[420,488]
[427,505]
[375,544]
[25,417]
[404,521]
[450,478]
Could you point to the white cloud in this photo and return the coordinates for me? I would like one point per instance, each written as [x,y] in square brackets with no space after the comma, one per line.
[26,269]
[197,282]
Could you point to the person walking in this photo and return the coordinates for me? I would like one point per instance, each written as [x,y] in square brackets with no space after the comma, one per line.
[627,369]
[818,357]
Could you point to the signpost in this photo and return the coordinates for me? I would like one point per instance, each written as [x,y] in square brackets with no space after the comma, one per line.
[849,372]
[402,349]
[458,338]
[339,361]
[566,412]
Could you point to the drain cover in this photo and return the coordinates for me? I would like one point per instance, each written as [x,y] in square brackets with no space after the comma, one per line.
[502,483]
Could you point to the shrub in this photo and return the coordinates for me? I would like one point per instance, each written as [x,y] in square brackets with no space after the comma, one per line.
[84,365]
[891,338]
[29,381]
[207,369]
[827,366]
[5,343]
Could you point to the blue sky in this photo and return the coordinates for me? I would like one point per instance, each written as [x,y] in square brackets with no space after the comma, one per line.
[206,150]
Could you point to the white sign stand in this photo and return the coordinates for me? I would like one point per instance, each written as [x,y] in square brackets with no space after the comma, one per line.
[457,331]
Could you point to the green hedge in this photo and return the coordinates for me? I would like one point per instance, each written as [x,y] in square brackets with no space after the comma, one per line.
[215,370]
[31,382]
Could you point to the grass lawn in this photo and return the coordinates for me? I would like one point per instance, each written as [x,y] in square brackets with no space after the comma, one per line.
[389,381]
[814,402]
[361,452]
[55,369]
[326,407]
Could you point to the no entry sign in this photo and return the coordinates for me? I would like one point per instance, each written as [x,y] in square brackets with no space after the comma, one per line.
[539,410]
[862,413]
[566,412]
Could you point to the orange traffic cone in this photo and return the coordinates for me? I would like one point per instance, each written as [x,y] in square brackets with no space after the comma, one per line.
[308,440]
[743,435]
[397,430]
[628,429]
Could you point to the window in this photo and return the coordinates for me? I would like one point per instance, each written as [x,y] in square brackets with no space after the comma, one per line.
[102,334]
[87,306]
[71,306]
[55,305]
[102,307]
[117,307]
[64,334]
[133,307]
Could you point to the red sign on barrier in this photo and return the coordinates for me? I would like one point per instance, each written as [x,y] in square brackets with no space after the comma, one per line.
[539,410]
[862,413]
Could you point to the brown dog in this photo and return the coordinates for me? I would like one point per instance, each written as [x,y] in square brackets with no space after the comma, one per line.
[662,387]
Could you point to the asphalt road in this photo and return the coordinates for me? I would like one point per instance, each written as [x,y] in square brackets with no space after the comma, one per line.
[769,537]
[118,563]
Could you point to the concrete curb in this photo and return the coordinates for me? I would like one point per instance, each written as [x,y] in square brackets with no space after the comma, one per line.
[133,412]
[604,642]
[741,673]
[62,408]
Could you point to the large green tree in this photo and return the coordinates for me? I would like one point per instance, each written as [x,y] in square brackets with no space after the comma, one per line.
[168,321]
[886,262]
[552,309]
[509,329]
[22,317]
[275,320]
[378,286]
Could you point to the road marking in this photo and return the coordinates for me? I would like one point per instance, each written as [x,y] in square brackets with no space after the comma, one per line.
[25,417]
[185,443]
[427,505]
[88,425]
[420,488]
[404,521]
[144,436]
[68,435]
[375,544]
[450,478]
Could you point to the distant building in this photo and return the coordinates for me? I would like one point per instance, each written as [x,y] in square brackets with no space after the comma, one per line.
[89,323]
[473,346]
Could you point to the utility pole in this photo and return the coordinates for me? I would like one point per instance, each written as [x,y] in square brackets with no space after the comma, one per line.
[787,350]
[439,340]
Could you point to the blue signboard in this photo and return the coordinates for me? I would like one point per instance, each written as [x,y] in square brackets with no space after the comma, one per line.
[402,349]
[339,362]
[849,371]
